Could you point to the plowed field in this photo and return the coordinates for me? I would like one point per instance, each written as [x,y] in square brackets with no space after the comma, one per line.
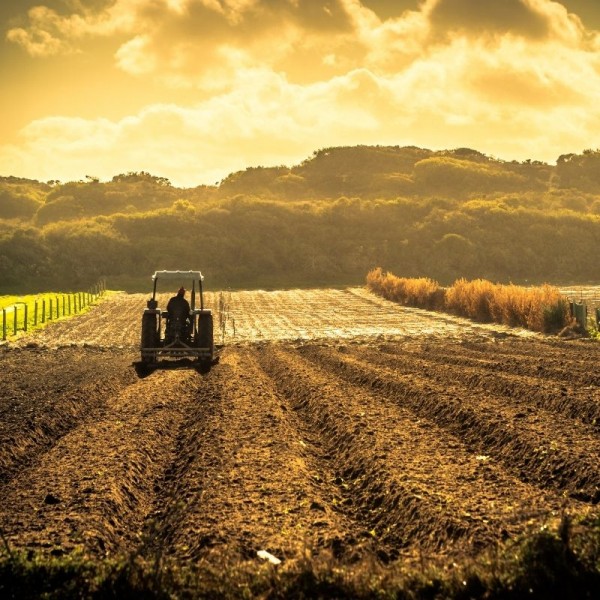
[335,424]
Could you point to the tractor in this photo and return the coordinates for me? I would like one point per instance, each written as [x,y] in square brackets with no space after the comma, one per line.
[171,334]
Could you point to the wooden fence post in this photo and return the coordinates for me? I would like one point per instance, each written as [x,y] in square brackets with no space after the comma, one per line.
[580,313]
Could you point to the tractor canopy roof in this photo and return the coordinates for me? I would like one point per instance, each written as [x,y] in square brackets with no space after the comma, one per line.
[180,276]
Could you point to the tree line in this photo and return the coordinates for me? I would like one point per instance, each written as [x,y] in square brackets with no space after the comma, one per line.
[327,221]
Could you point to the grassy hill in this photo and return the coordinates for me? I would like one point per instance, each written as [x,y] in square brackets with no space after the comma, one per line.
[330,219]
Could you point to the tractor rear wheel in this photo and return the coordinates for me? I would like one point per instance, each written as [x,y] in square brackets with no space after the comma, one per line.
[204,337]
[150,337]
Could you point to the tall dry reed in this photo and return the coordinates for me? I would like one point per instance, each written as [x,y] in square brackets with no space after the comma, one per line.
[536,308]
[421,292]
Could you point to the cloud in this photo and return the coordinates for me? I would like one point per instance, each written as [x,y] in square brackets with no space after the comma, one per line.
[267,120]
[136,56]
[50,33]
[203,43]
[47,34]
[509,16]
[281,78]
[194,24]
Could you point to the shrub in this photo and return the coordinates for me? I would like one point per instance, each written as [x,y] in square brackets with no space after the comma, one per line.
[421,292]
[471,299]
[540,308]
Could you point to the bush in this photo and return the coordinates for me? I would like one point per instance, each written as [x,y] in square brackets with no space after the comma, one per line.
[421,292]
[540,309]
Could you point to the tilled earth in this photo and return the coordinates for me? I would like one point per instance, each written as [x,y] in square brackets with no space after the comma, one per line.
[335,423]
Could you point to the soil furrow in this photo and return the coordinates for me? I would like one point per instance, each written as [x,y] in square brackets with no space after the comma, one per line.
[41,402]
[413,485]
[244,477]
[196,450]
[572,400]
[526,443]
[541,358]
[92,491]
[412,434]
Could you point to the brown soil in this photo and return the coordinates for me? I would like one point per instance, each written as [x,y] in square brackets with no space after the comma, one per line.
[355,429]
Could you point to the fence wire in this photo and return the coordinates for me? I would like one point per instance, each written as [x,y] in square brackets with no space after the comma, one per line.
[585,305]
[21,316]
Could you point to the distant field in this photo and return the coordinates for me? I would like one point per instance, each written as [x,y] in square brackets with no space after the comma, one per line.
[589,294]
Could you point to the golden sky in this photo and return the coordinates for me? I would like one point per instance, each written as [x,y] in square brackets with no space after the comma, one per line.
[195,89]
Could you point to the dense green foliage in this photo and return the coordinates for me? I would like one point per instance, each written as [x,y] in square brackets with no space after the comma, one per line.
[326,221]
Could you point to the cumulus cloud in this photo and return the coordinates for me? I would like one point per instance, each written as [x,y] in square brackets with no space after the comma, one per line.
[136,56]
[509,16]
[49,33]
[267,120]
[206,43]
[197,24]
[280,78]
[200,42]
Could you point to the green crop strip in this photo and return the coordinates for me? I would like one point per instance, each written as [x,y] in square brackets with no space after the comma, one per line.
[20,314]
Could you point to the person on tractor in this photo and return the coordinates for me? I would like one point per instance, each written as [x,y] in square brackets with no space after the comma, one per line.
[178,309]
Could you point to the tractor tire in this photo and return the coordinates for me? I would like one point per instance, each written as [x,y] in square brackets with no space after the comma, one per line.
[204,337]
[150,336]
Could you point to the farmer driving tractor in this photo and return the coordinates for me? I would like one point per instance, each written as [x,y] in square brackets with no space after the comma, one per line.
[178,322]
[183,329]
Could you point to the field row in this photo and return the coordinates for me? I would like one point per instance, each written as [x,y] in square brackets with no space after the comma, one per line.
[352,450]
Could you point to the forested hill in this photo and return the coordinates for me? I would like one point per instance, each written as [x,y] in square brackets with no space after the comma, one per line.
[328,220]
